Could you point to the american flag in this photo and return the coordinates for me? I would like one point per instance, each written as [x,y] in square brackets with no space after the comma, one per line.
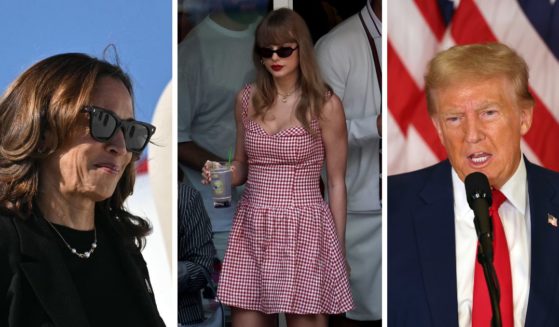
[421,28]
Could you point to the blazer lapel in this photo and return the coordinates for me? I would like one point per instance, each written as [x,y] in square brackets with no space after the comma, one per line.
[136,271]
[434,224]
[44,268]
[544,273]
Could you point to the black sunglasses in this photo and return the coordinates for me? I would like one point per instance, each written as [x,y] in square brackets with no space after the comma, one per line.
[103,125]
[282,52]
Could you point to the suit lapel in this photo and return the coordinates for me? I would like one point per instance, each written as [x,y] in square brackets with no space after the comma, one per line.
[136,272]
[544,273]
[434,225]
[46,272]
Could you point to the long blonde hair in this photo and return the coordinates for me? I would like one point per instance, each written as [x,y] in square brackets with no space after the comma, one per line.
[285,26]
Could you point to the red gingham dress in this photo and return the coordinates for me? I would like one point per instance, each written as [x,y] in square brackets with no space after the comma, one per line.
[283,253]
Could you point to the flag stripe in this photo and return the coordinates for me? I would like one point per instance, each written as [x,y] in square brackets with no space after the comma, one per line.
[541,14]
[469,26]
[412,108]
[413,43]
[430,12]
[405,154]
[544,128]
[407,44]
[544,68]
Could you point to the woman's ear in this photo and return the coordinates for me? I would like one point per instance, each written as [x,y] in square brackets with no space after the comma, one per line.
[42,146]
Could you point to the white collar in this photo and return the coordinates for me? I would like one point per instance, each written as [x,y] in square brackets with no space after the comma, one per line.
[515,189]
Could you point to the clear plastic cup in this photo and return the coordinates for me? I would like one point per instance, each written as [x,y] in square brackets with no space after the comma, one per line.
[221,175]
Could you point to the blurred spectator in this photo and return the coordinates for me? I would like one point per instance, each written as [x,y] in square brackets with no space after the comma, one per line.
[323,15]
[350,57]
[214,62]
[195,253]
[190,13]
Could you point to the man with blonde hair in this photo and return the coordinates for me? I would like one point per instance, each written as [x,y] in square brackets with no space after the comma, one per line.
[479,101]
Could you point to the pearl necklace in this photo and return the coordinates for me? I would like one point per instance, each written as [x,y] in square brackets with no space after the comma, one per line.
[285,96]
[84,255]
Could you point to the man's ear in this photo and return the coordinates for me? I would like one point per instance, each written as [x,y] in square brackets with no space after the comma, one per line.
[526,115]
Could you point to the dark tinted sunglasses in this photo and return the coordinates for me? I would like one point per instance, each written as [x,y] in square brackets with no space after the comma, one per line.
[282,52]
[103,125]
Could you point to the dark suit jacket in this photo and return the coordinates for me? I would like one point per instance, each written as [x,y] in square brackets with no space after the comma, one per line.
[421,248]
[36,288]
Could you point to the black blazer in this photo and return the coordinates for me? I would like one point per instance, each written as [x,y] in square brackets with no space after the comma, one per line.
[421,248]
[36,288]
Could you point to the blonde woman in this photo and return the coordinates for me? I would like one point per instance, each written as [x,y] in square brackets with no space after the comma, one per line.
[285,251]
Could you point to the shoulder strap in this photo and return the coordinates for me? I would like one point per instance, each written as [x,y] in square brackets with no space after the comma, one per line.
[374,51]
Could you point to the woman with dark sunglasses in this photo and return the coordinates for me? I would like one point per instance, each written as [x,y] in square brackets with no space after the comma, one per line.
[285,251]
[69,250]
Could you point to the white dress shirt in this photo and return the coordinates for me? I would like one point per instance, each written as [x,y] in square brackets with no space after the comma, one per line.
[352,76]
[515,217]
[346,62]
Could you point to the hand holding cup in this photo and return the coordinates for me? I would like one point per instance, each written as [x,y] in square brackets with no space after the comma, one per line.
[206,171]
[219,175]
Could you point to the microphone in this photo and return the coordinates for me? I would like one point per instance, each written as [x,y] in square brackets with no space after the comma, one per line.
[478,193]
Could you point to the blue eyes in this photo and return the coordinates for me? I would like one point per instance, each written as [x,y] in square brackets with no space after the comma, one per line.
[486,115]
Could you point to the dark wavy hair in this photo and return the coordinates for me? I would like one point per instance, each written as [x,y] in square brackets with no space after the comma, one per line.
[38,114]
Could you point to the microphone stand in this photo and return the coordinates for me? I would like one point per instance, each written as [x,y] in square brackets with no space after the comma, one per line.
[486,261]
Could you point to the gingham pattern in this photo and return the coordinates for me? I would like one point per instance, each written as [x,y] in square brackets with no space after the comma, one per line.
[283,253]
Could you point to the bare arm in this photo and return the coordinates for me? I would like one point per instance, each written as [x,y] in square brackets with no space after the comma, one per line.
[239,163]
[240,166]
[194,156]
[334,136]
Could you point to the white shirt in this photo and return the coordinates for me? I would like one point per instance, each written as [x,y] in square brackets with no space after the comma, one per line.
[213,65]
[346,63]
[351,74]
[515,217]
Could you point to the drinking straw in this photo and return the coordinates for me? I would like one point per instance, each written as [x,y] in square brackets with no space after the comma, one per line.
[229,156]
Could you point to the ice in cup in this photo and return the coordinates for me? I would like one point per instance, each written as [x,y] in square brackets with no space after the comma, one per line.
[220,173]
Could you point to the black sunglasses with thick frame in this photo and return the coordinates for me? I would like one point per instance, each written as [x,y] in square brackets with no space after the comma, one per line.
[282,52]
[103,125]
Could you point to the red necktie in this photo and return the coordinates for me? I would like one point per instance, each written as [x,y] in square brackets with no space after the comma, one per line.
[481,310]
